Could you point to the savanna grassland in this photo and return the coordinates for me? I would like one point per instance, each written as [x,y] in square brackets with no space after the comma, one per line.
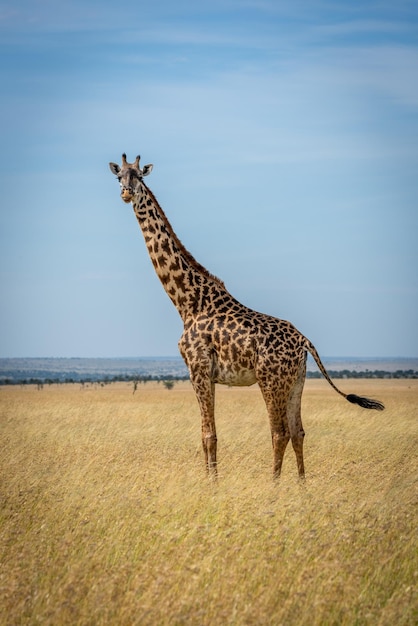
[107,517]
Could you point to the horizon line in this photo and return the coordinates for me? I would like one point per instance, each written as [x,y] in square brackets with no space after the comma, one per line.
[179,357]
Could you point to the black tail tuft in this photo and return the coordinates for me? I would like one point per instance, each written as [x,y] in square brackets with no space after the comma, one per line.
[365,402]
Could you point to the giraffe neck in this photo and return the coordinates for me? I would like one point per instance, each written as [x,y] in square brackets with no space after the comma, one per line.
[188,284]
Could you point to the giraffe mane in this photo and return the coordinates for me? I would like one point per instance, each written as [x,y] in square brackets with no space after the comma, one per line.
[190,258]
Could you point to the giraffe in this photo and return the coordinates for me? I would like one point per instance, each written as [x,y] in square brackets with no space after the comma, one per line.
[224,341]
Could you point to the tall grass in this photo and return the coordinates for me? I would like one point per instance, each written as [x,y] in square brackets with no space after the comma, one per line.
[107,517]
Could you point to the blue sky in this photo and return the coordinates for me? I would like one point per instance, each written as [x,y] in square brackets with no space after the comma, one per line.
[284,138]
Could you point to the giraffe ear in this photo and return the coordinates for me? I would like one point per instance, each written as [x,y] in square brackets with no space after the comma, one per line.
[114,168]
[147,169]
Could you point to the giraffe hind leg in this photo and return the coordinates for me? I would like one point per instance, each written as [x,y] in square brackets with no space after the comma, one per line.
[283,401]
[280,442]
[297,443]
[294,418]
[276,403]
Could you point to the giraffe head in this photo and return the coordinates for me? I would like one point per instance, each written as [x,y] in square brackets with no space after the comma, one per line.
[129,176]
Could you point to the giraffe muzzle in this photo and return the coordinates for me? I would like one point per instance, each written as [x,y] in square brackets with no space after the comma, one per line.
[126,195]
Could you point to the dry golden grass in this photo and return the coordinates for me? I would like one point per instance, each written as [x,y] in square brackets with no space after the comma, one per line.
[107,517]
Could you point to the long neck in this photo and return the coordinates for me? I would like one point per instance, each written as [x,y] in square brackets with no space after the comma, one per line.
[188,284]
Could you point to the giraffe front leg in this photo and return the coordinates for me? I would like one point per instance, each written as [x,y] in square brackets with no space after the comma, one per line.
[205,393]
[199,363]
[209,443]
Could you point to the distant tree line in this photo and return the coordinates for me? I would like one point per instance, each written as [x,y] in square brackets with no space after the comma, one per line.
[365,374]
[169,380]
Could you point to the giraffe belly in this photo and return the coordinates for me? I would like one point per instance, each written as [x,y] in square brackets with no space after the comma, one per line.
[235,375]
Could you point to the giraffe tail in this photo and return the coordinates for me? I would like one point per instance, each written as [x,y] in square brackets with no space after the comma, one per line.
[365,403]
